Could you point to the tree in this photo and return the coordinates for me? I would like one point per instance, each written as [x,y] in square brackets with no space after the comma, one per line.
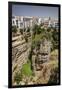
[49,29]
[55,38]
[38,30]
[43,30]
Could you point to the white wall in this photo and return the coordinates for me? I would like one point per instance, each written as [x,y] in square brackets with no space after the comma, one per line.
[4,44]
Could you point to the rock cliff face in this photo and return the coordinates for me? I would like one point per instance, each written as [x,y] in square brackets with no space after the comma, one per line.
[41,55]
[44,62]
[20,52]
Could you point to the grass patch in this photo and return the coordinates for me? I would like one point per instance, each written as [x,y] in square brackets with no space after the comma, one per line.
[26,69]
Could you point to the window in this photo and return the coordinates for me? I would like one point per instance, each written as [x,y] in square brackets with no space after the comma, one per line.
[21,24]
[17,23]
[13,22]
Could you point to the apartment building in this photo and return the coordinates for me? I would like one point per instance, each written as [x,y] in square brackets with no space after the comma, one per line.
[51,23]
[22,22]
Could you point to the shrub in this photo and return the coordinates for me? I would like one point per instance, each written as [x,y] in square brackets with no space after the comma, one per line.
[55,39]
[26,38]
[49,29]
[21,31]
[42,30]
[14,29]
[26,69]
[36,29]
[28,30]
[54,78]
[18,77]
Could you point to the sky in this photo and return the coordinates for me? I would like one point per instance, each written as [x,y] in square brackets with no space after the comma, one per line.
[40,11]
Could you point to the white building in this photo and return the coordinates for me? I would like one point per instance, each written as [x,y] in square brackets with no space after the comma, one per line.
[17,21]
[22,22]
[27,21]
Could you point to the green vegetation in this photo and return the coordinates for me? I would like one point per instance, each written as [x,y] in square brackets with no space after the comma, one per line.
[49,33]
[37,38]
[38,35]
[28,30]
[18,77]
[14,29]
[26,69]
[26,38]
[54,78]
[55,38]
[36,30]
[21,31]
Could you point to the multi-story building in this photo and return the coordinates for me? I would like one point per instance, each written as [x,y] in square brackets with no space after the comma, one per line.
[17,21]
[51,23]
[47,22]
[27,21]
[39,21]
[21,22]
[56,24]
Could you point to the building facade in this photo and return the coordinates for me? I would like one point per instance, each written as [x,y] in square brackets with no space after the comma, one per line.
[22,22]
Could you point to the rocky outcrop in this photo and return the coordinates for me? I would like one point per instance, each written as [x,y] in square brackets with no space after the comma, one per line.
[41,55]
[48,73]
[44,62]
[20,52]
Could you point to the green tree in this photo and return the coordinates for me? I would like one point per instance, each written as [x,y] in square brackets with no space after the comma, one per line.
[43,30]
[38,30]
[34,29]
[55,37]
